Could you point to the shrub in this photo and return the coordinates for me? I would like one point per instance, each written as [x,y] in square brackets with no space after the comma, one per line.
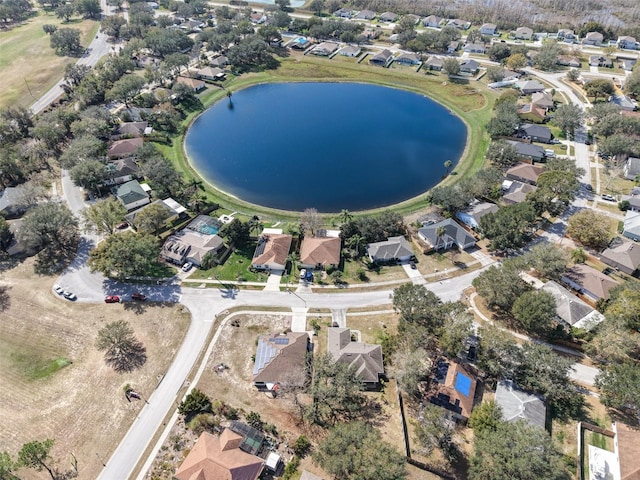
[204,422]
[301,446]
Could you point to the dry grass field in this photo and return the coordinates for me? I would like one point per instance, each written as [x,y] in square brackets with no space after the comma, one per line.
[55,383]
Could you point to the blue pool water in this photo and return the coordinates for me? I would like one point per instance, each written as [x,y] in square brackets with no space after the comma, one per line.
[328,146]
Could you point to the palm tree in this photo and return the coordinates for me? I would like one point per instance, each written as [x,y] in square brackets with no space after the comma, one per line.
[293,258]
[355,243]
[447,165]
[440,231]
[578,256]
[345,216]
[254,224]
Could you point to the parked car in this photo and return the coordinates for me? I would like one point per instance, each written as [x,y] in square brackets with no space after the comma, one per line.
[112,299]
[187,266]
[588,187]
[309,276]
[412,264]
[122,225]
[549,153]
[606,196]
[58,289]
[69,295]
[138,296]
[303,274]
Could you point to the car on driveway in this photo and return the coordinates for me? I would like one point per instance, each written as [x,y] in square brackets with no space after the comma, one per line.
[112,299]
[138,297]
[58,289]
[303,274]
[187,266]
[611,198]
[412,264]
[69,295]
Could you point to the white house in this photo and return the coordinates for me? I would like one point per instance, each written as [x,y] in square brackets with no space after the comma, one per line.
[627,43]
[523,33]
[488,29]
[631,227]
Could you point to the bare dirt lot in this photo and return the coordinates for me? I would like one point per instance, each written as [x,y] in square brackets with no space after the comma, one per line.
[81,405]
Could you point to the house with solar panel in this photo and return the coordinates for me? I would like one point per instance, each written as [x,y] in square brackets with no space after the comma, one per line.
[453,388]
[281,360]
[272,250]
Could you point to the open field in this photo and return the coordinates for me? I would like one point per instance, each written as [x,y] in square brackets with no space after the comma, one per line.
[25,56]
[55,383]
[470,101]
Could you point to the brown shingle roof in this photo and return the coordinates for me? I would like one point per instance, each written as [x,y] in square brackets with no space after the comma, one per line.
[449,393]
[625,256]
[272,248]
[219,458]
[525,171]
[127,147]
[320,251]
[591,279]
[281,358]
[628,451]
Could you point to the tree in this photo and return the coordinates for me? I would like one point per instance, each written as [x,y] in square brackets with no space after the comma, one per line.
[547,57]
[356,451]
[127,88]
[81,149]
[336,392]
[311,221]
[6,236]
[535,311]
[7,466]
[270,33]
[435,430]
[589,228]
[66,41]
[458,326]
[500,287]
[501,154]
[345,216]
[236,232]
[599,87]
[88,8]
[495,73]
[505,120]
[485,417]
[624,305]
[573,75]
[568,117]
[250,54]
[89,175]
[36,455]
[620,145]
[65,12]
[498,354]
[516,61]
[451,198]
[49,29]
[123,351]
[301,446]
[196,402]
[282,19]
[451,67]
[151,218]
[632,83]
[549,260]
[317,6]
[112,25]
[613,342]
[104,216]
[516,450]
[50,228]
[417,305]
[411,367]
[556,190]
[578,255]
[125,255]
[510,227]
[498,52]
[619,386]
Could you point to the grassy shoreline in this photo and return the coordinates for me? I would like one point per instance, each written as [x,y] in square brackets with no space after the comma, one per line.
[469,102]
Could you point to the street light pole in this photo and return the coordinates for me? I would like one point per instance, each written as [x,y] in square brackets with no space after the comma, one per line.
[294,293]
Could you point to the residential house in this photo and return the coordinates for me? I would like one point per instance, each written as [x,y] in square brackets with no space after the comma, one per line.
[469,66]
[350,51]
[454,389]
[628,64]
[542,100]
[527,152]
[459,24]
[624,256]
[517,404]
[325,49]
[631,228]
[568,61]
[570,309]
[529,87]
[281,360]
[488,29]
[472,215]
[600,61]
[432,21]
[633,199]
[625,445]
[14,201]
[566,35]
[258,18]
[535,133]
[173,211]
[122,170]
[272,251]
[589,282]
[453,47]
[445,234]
[195,84]
[364,358]
[515,192]
[475,48]
[190,26]
[624,102]
[211,73]
[524,172]
[382,58]
[593,38]
[144,61]
[371,33]
[408,59]
[627,43]
[511,75]
[216,458]
[220,62]
[124,148]
[131,130]
[410,17]
[393,249]
[632,168]
[320,252]
[343,13]
[532,113]
[523,33]
[365,15]
[388,17]
[190,246]
[131,194]
[434,63]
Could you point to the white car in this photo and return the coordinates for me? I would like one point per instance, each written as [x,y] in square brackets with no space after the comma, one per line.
[58,289]
[303,273]
[187,266]
[69,295]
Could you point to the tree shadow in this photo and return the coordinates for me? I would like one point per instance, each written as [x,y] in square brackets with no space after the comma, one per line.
[128,357]
[5,299]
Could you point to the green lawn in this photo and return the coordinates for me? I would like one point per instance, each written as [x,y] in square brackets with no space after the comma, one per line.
[236,268]
[35,367]
[470,100]
[28,65]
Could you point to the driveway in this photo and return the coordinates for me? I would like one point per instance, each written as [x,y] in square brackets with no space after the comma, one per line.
[414,274]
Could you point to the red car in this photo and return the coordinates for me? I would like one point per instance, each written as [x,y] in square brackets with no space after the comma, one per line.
[112,299]
[138,296]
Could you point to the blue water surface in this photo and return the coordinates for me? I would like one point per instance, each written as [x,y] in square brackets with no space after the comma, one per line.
[328,146]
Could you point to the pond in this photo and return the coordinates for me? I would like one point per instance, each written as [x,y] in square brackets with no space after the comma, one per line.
[329,146]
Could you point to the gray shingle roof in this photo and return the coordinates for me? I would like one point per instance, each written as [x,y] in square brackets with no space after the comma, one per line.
[392,248]
[130,192]
[517,404]
[364,358]
[452,232]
